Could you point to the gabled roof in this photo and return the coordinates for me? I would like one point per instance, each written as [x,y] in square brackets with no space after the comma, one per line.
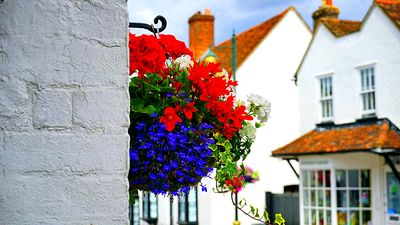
[362,135]
[247,41]
[341,28]
[392,9]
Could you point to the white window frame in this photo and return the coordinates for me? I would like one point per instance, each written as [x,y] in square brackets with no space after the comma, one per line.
[325,99]
[369,89]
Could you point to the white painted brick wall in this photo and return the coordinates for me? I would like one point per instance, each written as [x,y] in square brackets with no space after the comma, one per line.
[64,110]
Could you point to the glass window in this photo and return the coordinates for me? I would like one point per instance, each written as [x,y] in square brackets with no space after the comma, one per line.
[134,212]
[393,194]
[150,208]
[187,208]
[368,90]
[316,197]
[353,197]
[326,98]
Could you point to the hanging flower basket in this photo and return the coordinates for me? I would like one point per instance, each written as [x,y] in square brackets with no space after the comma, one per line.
[184,118]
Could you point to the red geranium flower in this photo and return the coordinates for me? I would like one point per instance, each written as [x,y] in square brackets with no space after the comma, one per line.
[170,118]
[189,109]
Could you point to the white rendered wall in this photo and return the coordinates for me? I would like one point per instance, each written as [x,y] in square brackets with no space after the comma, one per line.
[268,71]
[63,112]
[378,43]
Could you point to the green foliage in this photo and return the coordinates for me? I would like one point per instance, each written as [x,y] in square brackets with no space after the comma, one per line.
[279,219]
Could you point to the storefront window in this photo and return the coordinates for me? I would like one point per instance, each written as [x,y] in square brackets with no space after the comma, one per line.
[316,197]
[353,197]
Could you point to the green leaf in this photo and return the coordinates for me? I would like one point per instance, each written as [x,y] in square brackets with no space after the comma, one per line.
[252,209]
[258,125]
[228,145]
[231,168]
[137,104]
[279,219]
[149,109]
[256,214]
[266,217]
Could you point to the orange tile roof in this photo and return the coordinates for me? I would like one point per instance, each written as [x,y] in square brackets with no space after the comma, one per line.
[246,42]
[341,28]
[363,135]
[391,9]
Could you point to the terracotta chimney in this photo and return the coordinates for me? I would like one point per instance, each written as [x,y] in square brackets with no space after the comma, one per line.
[326,10]
[201,32]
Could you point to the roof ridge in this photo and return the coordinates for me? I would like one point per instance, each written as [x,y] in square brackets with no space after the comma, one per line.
[340,20]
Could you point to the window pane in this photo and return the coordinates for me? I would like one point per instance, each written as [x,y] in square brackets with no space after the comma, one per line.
[306,216]
[341,217]
[354,218]
[362,80]
[312,197]
[182,206]
[321,217]
[313,178]
[366,218]
[365,178]
[306,198]
[328,198]
[341,199]
[328,178]
[372,77]
[153,206]
[341,178]
[353,178]
[192,201]
[320,198]
[328,217]
[372,100]
[304,178]
[365,198]
[393,196]
[320,178]
[145,205]
[314,217]
[364,100]
[354,198]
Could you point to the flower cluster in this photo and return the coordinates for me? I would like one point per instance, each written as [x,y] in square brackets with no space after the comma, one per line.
[245,175]
[184,119]
[181,159]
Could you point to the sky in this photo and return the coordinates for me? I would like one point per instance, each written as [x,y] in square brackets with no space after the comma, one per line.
[238,15]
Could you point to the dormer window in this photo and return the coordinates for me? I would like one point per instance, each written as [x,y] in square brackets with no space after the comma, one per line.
[368,91]
[326,98]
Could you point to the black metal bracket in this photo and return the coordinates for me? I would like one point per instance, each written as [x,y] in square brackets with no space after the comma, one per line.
[151,28]
[392,166]
[291,166]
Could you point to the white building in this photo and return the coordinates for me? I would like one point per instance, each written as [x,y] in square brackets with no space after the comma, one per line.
[267,57]
[349,119]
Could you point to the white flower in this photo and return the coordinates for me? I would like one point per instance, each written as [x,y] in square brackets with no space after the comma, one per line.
[260,107]
[134,74]
[184,61]
[248,131]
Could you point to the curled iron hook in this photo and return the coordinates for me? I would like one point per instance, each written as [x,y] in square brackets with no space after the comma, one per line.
[151,27]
